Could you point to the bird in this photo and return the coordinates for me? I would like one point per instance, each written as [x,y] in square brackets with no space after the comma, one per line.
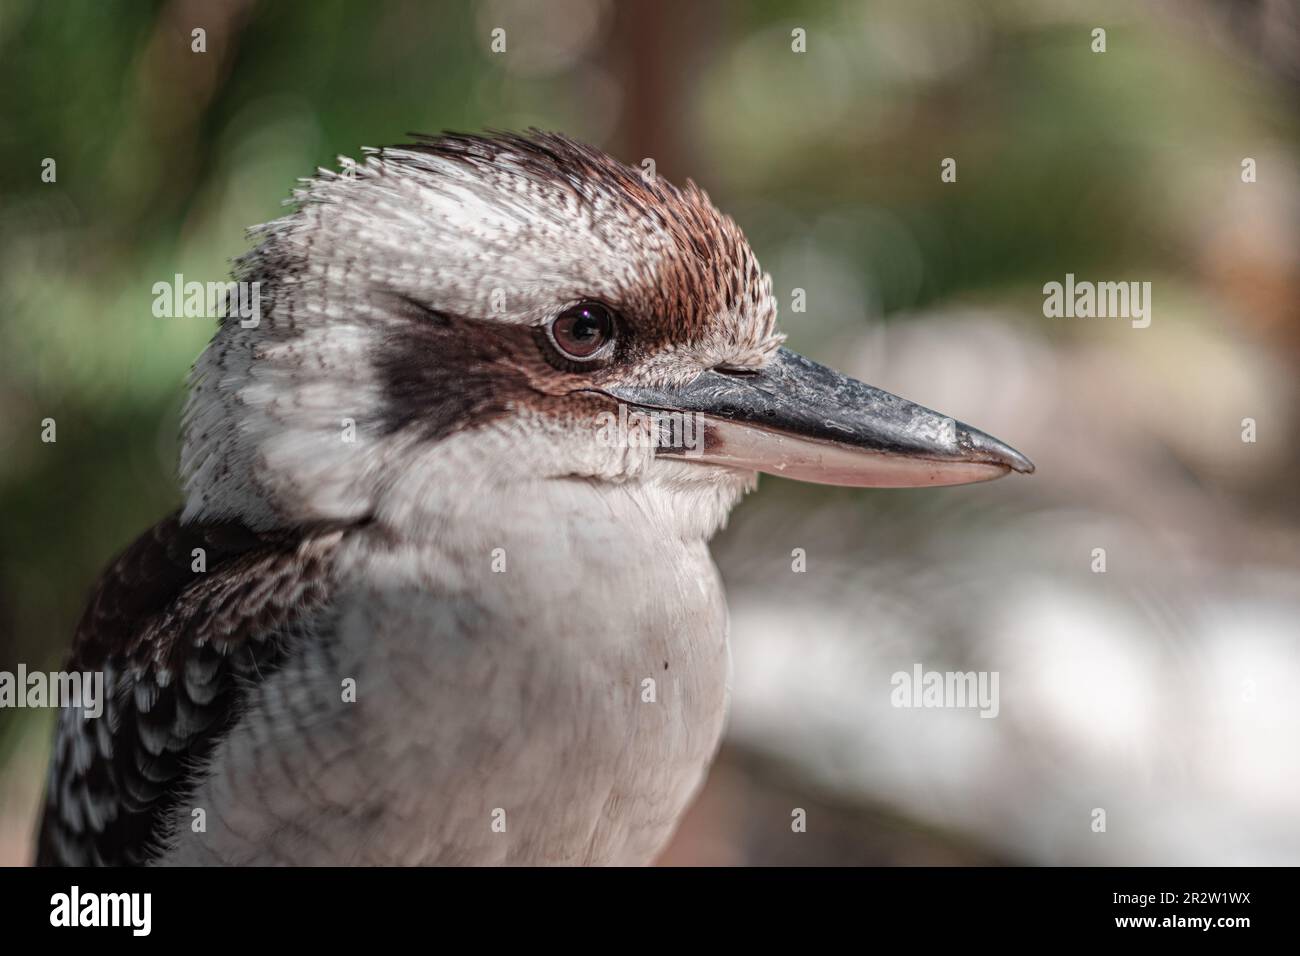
[418,607]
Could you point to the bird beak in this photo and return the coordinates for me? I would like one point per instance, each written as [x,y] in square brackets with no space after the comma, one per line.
[802,420]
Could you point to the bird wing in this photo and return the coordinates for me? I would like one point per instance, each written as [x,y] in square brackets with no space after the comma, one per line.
[180,641]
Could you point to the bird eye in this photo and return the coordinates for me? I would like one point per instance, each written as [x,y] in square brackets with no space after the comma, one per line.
[584,332]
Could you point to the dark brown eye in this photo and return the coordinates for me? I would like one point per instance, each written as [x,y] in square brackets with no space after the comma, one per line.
[584,332]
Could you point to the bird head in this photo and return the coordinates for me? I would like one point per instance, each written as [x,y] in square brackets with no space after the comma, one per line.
[504,310]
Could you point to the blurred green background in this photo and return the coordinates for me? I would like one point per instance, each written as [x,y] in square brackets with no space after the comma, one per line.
[1115,166]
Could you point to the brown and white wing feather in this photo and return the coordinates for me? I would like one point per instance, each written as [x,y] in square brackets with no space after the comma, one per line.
[179,649]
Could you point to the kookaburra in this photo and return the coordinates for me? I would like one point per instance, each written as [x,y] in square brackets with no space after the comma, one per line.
[440,616]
